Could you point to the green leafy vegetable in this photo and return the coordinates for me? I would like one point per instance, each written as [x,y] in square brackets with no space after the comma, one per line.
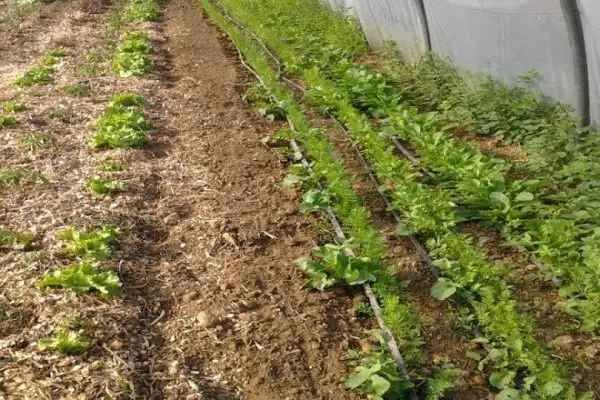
[90,245]
[81,278]
[336,266]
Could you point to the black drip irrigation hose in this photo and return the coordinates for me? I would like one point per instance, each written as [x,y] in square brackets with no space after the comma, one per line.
[386,332]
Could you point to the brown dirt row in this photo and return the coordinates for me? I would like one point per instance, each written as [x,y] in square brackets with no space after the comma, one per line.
[212,305]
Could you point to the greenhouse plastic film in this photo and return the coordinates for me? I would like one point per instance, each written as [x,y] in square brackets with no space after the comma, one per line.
[399,20]
[590,20]
[506,38]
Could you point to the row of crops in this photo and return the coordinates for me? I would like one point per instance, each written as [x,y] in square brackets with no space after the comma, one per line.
[123,124]
[540,205]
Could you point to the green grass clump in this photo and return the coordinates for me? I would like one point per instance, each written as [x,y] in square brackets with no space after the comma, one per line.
[122,124]
[64,114]
[57,53]
[142,10]
[37,75]
[76,89]
[13,240]
[7,121]
[81,278]
[13,107]
[94,245]
[132,55]
[36,141]
[110,166]
[104,187]
[48,61]
[17,176]
[91,68]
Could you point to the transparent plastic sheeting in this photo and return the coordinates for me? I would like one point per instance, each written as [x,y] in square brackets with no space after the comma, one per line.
[506,38]
[399,20]
[590,21]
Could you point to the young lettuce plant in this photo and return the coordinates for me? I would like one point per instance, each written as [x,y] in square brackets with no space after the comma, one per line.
[81,278]
[94,245]
[377,376]
[70,338]
[330,264]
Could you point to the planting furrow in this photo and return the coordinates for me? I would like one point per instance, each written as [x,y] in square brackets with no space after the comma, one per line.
[386,332]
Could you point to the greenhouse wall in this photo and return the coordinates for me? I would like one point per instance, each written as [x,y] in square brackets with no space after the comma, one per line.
[590,21]
[505,38]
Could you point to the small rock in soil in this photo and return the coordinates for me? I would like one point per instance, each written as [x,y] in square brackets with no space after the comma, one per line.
[116,345]
[206,320]
[564,342]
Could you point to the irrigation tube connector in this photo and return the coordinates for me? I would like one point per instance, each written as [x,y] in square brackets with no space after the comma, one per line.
[386,332]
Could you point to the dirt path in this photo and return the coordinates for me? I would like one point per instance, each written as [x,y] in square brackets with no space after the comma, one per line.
[235,236]
[212,305]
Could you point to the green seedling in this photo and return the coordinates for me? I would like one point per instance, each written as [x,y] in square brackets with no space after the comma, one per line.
[66,341]
[132,55]
[104,187]
[59,53]
[93,245]
[377,376]
[48,61]
[19,175]
[110,166]
[37,75]
[36,141]
[141,10]
[444,380]
[13,107]
[122,124]
[77,90]
[82,278]
[126,101]
[7,121]
[330,264]
[314,200]
[14,240]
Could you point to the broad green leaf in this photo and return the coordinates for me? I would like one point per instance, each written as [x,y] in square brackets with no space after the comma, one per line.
[291,180]
[443,289]
[473,355]
[380,385]
[363,374]
[553,388]
[502,380]
[500,200]
[524,196]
